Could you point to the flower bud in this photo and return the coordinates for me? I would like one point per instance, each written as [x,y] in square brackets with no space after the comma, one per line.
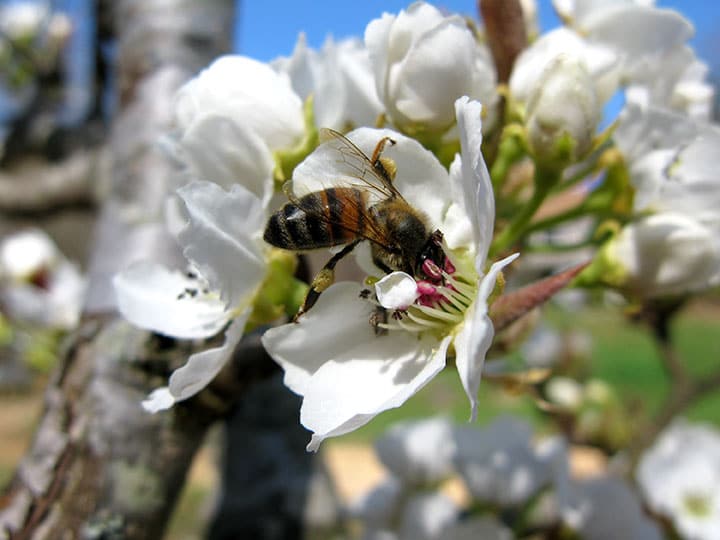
[563,112]
[423,61]
[665,254]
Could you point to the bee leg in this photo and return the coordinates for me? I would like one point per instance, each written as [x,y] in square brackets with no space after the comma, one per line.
[385,167]
[377,317]
[379,147]
[324,278]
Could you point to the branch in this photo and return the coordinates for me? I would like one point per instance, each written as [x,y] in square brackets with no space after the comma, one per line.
[99,466]
[506,35]
[684,388]
[36,186]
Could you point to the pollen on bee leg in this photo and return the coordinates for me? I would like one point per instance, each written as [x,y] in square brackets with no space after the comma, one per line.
[323,279]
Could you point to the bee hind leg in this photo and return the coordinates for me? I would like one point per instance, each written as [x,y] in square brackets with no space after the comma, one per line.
[324,278]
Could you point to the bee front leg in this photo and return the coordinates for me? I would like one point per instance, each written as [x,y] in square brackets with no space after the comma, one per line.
[324,278]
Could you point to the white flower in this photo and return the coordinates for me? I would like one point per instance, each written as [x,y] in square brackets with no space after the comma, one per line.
[605,507]
[37,283]
[418,453]
[600,62]
[423,61]
[666,254]
[614,25]
[673,247]
[339,77]
[24,254]
[230,119]
[334,357]
[680,478]
[499,464]
[562,105]
[223,243]
[677,83]
[247,91]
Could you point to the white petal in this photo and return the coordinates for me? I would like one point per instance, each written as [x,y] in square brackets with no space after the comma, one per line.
[601,61]
[202,367]
[437,69]
[346,373]
[158,400]
[222,238]
[377,35]
[250,92]
[644,129]
[667,254]
[397,290]
[618,28]
[457,227]
[477,191]
[226,152]
[167,302]
[474,339]
[361,101]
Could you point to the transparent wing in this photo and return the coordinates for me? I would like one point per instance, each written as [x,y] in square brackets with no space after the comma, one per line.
[351,162]
[337,162]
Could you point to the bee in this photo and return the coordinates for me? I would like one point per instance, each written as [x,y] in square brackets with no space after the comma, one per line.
[369,208]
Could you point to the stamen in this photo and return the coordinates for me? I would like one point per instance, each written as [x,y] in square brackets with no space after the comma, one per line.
[425,322]
[432,270]
[458,299]
[437,313]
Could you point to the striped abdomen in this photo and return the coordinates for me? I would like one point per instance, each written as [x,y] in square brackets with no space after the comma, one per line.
[325,218]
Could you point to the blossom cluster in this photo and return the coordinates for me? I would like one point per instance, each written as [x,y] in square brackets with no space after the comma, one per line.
[510,485]
[417,113]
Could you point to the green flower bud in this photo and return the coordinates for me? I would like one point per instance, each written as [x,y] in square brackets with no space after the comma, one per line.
[563,112]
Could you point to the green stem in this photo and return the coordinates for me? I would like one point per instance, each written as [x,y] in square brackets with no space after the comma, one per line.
[582,174]
[544,181]
[511,150]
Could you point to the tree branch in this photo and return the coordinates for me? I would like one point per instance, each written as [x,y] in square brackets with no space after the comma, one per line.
[36,186]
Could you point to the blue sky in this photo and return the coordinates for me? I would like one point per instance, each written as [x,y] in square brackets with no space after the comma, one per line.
[269,29]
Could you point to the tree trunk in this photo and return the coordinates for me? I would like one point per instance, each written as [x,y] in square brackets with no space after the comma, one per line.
[99,466]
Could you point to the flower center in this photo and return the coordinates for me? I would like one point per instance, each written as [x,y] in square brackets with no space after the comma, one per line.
[442,300]
[697,504]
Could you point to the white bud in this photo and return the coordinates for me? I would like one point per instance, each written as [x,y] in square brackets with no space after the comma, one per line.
[423,61]
[563,111]
[666,254]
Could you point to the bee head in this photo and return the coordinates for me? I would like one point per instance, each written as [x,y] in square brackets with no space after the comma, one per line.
[431,261]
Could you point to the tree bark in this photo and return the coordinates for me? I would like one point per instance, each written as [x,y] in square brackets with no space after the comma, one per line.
[99,466]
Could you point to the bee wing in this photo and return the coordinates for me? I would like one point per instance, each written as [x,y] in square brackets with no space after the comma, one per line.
[337,162]
[351,162]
